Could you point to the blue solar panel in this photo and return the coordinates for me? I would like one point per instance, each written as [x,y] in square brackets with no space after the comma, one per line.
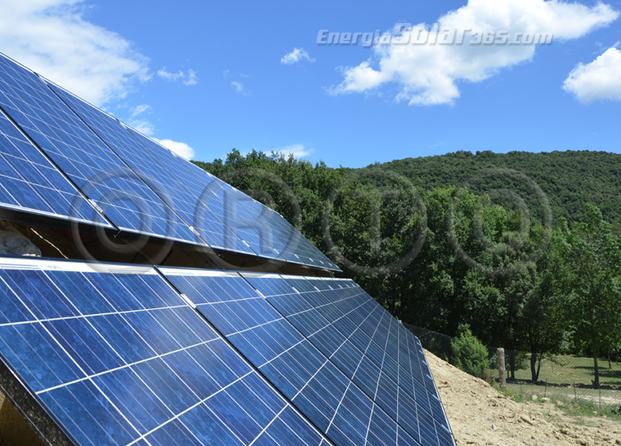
[29,182]
[126,200]
[367,344]
[312,372]
[160,169]
[117,357]
[225,202]
[286,239]
[267,232]
[208,206]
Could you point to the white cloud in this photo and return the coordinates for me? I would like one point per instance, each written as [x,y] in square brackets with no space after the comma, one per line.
[52,38]
[297,150]
[598,80]
[239,88]
[295,56]
[179,148]
[427,74]
[139,109]
[189,78]
[143,126]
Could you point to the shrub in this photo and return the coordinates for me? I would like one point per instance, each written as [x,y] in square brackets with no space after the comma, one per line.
[469,354]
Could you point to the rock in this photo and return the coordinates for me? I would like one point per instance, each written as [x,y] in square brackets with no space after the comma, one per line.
[534,397]
[494,427]
[545,400]
[12,242]
[527,420]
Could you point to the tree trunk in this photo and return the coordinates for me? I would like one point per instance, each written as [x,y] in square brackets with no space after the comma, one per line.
[609,363]
[539,364]
[596,370]
[534,373]
[512,354]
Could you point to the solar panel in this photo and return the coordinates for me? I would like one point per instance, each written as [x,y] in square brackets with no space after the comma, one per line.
[314,369]
[343,325]
[29,182]
[267,232]
[208,206]
[125,199]
[252,221]
[287,240]
[117,357]
[161,170]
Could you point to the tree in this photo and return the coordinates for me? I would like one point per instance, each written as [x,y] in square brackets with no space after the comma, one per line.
[593,254]
[542,317]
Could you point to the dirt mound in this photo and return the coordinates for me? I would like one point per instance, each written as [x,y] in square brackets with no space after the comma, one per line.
[480,415]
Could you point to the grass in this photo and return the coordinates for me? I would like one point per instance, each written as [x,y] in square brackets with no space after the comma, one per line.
[574,369]
[576,408]
[570,378]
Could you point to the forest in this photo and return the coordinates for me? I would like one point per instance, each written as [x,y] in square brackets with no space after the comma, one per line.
[521,248]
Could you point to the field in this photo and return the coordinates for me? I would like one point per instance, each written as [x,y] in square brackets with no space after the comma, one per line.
[571,378]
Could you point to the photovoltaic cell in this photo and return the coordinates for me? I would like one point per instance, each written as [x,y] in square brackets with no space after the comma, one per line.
[30,183]
[287,240]
[208,206]
[403,359]
[306,375]
[117,357]
[126,200]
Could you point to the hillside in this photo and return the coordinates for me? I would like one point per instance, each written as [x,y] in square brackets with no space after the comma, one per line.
[479,415]
[570,178]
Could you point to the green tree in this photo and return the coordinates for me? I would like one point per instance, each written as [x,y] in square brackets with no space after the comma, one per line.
[469,354]
[542,317]
[593,255]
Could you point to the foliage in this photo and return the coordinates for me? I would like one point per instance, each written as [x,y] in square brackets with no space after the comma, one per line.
[592,285]
[437,255]
[469,354]
[570,179]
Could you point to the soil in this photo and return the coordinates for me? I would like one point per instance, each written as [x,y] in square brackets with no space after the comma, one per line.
[480,415]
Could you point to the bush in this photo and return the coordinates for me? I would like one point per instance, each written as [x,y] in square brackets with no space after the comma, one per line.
[469,354]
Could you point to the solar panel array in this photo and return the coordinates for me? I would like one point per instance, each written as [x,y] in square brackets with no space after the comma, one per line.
[162,356]
[119,358]
[125,355]
[98,171]
[340,358]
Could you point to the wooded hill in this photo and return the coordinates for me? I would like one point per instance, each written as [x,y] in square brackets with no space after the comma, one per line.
[569,179]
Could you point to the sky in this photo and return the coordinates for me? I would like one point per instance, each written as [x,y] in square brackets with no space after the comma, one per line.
[347,83]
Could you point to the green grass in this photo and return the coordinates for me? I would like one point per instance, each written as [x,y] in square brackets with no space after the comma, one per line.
[557,381]
[574,369]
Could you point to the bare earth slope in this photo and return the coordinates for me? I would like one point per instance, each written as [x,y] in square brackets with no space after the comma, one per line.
[480,415]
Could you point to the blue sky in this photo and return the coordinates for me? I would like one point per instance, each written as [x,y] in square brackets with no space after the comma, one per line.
[204,77]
